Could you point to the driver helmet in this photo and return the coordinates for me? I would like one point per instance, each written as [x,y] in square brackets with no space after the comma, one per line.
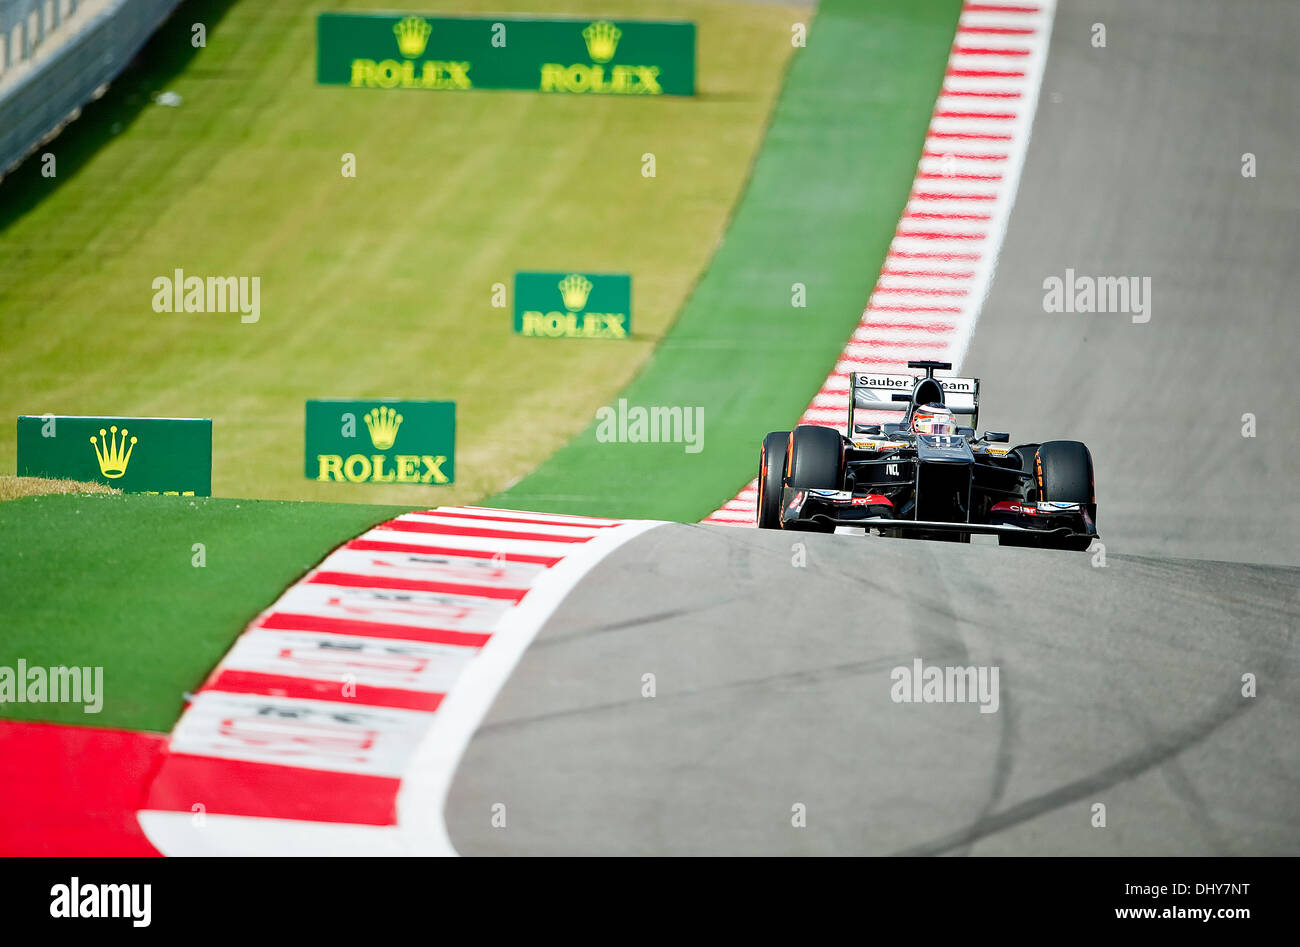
[933,419]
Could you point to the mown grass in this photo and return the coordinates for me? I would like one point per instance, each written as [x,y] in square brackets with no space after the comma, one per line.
[378,286]
[112,582]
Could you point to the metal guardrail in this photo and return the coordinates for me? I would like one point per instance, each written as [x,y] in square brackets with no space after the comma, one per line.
[95,43]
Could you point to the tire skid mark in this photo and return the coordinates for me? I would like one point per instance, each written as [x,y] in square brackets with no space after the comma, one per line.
[801,677]
[1129,767]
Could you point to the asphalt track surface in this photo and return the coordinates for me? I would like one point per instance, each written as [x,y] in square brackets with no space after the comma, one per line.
[1119,686]
[1136,171]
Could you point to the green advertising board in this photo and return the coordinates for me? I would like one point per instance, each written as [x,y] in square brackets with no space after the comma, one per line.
[542,54]
[381,441]
[136,455]
[573,305]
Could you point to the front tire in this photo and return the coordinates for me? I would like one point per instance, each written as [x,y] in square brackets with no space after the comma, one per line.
[815,461]
[771,479]
[1063,473]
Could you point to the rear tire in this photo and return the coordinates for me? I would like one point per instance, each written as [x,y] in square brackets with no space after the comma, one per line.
[771,479]
[815,461]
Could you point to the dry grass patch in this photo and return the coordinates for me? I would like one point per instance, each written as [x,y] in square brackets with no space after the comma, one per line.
[13,488]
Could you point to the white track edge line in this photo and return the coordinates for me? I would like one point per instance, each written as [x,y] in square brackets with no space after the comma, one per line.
[422,799]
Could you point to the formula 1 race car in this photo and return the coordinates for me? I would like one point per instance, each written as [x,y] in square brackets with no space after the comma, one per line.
[926,476]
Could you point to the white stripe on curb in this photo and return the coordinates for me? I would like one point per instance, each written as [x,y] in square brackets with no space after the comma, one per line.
[418,747]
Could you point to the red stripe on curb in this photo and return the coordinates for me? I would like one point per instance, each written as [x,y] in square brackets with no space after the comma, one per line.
[916,291]
[268,791]
[984,51]
[290,621]
[888,344]
[968,136]
[948,309]
[939,235]
[921,215]
[936,327]
[986,73]
[937,176]
[235,681]
[375,545]
[991,116]
[998,8]
[416,526]
[949,196]
[982,94]
[932,274]
[357,581]
[966,155]
[928,255]
[999,30]
[515,519]
[871,360]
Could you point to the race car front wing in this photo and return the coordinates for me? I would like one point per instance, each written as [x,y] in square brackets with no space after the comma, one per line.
[872,511]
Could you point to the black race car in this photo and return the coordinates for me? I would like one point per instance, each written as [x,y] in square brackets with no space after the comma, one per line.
[891,478]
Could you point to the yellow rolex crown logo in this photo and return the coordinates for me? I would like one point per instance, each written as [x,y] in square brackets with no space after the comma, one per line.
[602,39]
[412,35]
[383,423]
[574,289]
[109,451]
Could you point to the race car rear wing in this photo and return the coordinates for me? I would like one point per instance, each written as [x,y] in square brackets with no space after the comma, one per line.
[884,391]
